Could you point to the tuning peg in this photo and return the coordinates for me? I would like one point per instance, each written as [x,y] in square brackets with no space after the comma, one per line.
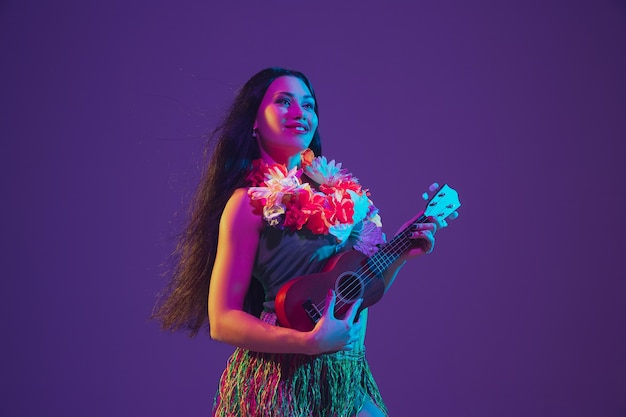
[432,188]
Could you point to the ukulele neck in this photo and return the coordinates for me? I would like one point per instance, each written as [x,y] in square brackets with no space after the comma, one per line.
[389,253]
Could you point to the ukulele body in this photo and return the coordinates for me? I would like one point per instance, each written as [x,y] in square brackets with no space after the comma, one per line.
[300,302]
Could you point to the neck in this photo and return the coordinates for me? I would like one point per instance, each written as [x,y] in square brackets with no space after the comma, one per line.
[289,159]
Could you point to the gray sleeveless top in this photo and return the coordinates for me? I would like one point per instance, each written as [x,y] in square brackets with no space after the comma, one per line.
[283,255]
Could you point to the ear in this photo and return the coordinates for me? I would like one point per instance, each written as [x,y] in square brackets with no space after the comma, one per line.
[255,125]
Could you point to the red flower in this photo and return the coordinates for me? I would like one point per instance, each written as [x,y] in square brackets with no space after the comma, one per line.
[343,210]
[256,176]
[295,218]
[348,185]
[342,186]
[319,212]
[318,223]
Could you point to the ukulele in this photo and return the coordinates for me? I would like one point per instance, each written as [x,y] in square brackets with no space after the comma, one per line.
[300,302]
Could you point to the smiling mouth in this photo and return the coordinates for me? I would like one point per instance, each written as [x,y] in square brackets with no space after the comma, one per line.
[298,128]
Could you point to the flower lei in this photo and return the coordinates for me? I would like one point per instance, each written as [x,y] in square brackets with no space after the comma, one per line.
[340,207]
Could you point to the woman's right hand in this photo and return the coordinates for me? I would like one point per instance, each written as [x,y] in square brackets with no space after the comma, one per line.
[331,334]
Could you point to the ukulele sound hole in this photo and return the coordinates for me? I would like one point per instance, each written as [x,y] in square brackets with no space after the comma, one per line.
[349,287]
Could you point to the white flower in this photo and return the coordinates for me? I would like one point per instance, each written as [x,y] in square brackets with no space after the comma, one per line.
[361,206]
[323,172]
[277,185]
[270,212]
[341,231]
[275,180]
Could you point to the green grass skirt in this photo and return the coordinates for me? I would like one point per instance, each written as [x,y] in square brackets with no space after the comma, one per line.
[292,385]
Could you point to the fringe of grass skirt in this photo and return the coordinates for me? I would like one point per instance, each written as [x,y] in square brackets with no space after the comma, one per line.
[292,385]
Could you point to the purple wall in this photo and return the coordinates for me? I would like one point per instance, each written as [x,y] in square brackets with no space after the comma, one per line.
[518,105]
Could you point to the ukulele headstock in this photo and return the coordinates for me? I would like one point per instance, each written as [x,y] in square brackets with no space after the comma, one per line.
[444,202]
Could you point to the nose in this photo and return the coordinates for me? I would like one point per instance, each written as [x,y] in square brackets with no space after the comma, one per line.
[296,111]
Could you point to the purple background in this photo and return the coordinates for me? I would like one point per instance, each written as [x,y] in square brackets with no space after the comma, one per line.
[518,105]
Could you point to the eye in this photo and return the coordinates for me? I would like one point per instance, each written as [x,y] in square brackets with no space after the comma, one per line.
[308,106]
[284,101]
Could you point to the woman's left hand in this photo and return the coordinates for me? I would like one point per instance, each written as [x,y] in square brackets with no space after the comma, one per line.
[423,234]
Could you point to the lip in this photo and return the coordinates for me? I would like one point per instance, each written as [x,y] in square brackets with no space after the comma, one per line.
[297,125]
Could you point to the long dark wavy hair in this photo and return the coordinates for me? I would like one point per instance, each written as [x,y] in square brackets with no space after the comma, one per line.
[228,155]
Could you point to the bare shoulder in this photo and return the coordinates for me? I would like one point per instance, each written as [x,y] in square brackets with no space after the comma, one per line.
[240,214]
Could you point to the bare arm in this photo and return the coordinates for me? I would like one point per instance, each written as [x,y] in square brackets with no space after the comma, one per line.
[237,245]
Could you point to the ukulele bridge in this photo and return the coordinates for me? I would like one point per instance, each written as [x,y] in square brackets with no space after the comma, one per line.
[312,311]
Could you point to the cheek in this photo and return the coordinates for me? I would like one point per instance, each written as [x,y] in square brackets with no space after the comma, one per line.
[314,123]
[272,119]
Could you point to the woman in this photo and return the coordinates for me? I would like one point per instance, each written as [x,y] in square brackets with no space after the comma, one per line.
[269,209]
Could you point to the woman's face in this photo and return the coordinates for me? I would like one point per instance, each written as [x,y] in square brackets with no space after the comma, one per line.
[286,120]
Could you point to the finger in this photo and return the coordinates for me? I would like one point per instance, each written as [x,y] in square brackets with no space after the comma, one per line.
[354,308]
[426,226]
[425,235]
[330,303]
[358,316]
[430,248]
[454,215]
[425,239]
[355,332]
[436,221]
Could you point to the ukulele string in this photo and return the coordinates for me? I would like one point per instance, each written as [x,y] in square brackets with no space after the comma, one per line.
[377,264]
[379,261]
[368,273]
